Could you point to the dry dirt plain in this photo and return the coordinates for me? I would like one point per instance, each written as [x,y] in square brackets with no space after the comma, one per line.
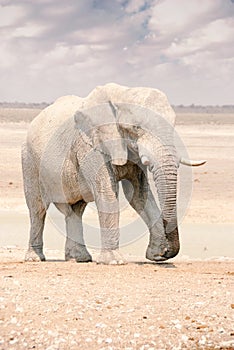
[176,305]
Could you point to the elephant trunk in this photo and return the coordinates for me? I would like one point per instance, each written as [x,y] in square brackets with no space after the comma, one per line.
[163,166]
[165,178]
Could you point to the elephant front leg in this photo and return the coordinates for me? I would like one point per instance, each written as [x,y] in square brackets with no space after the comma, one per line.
[140,197]
[109,224]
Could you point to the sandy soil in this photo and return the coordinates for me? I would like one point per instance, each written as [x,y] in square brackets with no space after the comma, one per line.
[179,305]
[58,305]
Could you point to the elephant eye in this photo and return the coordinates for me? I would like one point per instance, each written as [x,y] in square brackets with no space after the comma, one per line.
[177,163]
[133,145]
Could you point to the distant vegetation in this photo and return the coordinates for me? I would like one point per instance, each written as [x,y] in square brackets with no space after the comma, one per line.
[178,109]
[40,105]
[204,109]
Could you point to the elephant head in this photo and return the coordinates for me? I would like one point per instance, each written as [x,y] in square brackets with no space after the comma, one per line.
[151,138]
[97,126]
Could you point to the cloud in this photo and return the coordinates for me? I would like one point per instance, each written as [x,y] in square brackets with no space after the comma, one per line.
[9,15]
[180,16]
[211,36]
[49,49]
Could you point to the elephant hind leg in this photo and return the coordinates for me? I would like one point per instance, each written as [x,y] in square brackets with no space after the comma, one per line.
[37,210]
[75,246]
[35,248]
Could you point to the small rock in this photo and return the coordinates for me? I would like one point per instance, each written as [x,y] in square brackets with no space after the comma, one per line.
[201,326]
[13,341]
[221,330]
[136,335]
[184,338]
[202,341]
[13,320]
[100,325]
[178,326]
[19,309]
[88,340]
[108,340]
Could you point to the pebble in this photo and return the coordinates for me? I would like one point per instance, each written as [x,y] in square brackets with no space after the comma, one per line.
[202,341]
[136,335]
[88,340]
[14,320]
[100,325]
[221,330]
[19,309]
[178,326]
[13,341]
[184,338]
[108,340]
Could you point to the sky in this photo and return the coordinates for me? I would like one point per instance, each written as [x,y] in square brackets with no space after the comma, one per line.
[53,48]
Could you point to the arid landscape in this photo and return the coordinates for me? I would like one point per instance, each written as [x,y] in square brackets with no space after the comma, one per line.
[186,303]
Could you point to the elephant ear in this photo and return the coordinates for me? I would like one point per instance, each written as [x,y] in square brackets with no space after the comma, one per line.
[84,125]
[88,123]
[98,128]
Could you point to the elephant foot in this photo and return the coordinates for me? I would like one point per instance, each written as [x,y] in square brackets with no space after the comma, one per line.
[163,254]
[77,252]
[34,254]
[156,254]
[111,257]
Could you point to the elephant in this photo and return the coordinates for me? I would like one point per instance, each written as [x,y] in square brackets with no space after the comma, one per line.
[77,151]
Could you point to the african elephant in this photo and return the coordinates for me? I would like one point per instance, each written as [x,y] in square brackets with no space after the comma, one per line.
[77,151]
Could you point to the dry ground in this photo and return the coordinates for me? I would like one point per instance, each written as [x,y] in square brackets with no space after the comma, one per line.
[180,305]
[58,305]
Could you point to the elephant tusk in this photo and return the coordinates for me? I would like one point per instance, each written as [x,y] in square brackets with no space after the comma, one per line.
[192,162]
[145,160]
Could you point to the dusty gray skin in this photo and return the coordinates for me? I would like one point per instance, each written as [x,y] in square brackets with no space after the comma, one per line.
[77,151]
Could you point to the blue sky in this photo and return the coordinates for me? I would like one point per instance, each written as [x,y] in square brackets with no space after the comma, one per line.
[52,48]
